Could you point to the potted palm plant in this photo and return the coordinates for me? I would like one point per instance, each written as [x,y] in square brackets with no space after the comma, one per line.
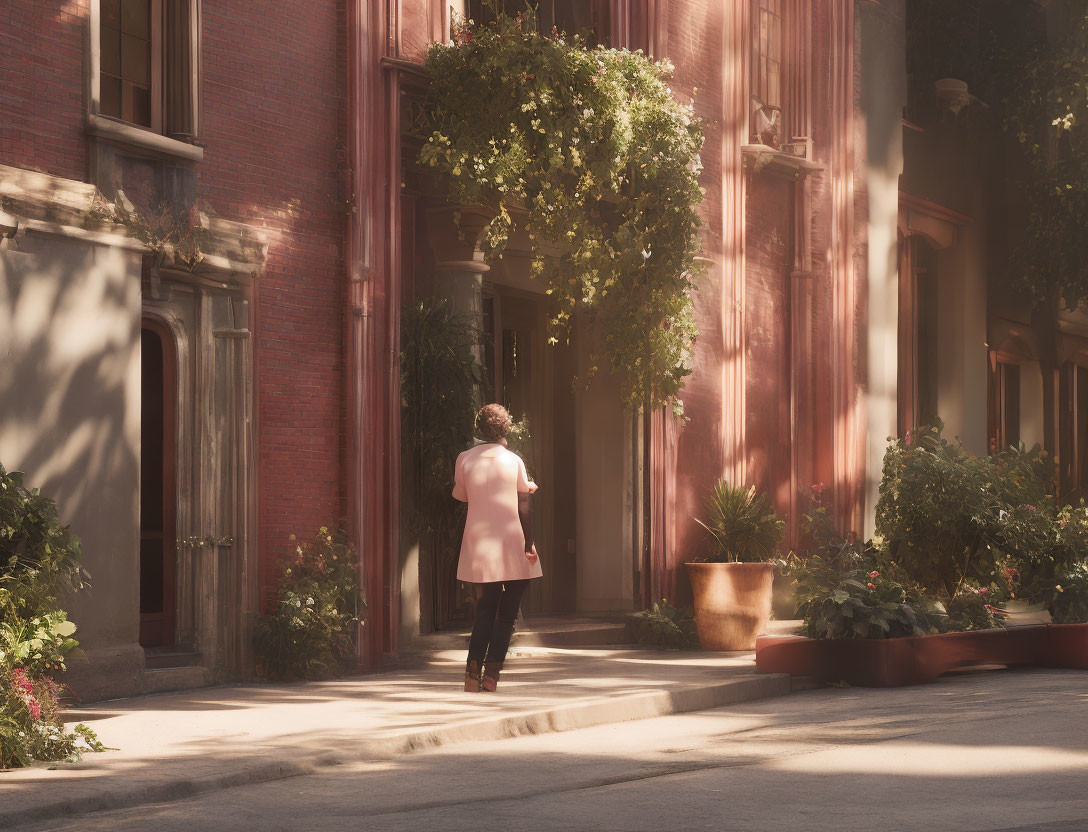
[732,586]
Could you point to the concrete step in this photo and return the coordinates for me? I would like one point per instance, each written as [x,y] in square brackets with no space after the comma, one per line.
[538,631]
[161,657]
[162,679]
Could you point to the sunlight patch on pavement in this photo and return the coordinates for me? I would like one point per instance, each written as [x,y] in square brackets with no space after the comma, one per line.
[924,759]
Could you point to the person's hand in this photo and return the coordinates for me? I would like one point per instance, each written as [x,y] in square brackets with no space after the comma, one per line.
[531,555]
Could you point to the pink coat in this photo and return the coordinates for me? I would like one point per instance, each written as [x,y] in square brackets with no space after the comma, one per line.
[489,478]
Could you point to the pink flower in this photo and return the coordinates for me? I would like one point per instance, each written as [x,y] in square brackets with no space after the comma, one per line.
[871,586]
[1030,508]
[22,683]
[907,437]
[874,574]
[35,709]
[984,591]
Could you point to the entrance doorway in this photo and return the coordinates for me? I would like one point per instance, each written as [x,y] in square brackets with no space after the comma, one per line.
[534,381]
[158,506]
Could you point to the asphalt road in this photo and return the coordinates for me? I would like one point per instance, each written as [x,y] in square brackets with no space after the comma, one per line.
[998,751]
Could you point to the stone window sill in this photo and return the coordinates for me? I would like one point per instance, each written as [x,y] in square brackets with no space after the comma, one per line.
[122,133]
[761,157]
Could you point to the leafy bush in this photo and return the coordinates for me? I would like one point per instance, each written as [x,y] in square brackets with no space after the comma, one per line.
[846,589]
[664,625]
[440,381]
[935,510]
[311,633]
[594,148]
[1067,598]
[39,562]
[39,557]
[742,523]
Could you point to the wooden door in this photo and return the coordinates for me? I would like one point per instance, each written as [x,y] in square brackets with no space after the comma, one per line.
[532,379]
[158,507]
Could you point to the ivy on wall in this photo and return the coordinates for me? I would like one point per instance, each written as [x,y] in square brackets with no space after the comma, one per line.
[588,151]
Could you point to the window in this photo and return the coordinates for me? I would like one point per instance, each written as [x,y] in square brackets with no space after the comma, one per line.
[145,66]
[768,59]
[589,18]
[768,52]
[131,55]
[918,334]
[1006,398]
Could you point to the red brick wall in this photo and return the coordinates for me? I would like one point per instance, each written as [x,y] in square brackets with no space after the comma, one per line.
[273,125]
[273,100]
[41,86]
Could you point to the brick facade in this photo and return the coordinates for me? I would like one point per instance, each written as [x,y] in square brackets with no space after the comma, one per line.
[287,109]
[272,134]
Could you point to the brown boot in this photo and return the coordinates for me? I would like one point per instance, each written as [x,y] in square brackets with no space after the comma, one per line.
[472,677]
[491,676]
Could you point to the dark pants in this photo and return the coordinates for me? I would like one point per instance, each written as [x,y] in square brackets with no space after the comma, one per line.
[496,611]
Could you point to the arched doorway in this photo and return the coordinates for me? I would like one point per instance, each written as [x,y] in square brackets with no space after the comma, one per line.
[158,502]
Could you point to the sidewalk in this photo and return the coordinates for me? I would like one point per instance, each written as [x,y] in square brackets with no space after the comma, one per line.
[177,744]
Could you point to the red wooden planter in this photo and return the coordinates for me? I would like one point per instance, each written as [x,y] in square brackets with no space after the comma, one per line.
[894,662]
[1068,646]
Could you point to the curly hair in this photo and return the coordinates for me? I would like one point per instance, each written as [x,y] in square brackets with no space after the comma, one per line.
[494,422]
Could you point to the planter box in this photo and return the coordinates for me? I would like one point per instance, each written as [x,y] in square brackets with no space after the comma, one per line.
[1068,646]
[895,662]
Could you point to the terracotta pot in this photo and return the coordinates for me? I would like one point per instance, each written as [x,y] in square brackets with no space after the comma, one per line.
[732,603]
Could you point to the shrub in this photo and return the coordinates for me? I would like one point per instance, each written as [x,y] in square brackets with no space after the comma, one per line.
[936,507]
[39,562]
[39,557]
[847,589]
[594,150]
[311,633]
[742,523]
[1067,597]
[664,625]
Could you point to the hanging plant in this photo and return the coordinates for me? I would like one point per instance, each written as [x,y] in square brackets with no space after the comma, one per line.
[599,163]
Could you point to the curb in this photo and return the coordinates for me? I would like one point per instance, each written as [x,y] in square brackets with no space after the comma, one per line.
[569,717]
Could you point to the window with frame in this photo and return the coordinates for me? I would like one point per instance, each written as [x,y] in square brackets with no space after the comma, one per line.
[145,63]
[780,75]
[768,69]
[130,45]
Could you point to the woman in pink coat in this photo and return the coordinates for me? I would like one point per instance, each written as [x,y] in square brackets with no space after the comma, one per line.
[494,552]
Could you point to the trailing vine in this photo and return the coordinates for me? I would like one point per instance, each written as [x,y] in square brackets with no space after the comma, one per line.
[589,152]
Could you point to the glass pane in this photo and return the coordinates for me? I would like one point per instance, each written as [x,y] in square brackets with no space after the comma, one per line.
[135,59]
[141,105]
[775,46]
[774,90]
[111,13]
[110,103]
[764,32]
[136,17]
[111,52]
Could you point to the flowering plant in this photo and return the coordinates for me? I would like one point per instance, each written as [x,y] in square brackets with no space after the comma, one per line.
[39,560]
[592,152]
[311,632]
